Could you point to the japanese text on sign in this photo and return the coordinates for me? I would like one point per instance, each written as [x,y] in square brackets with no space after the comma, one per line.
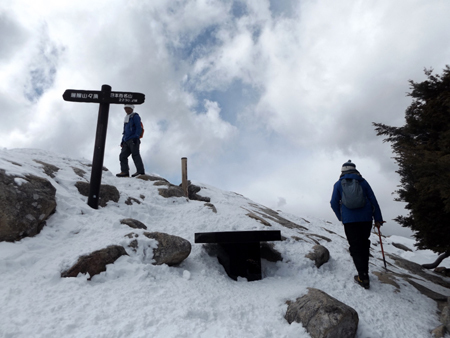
[123,97]
[84,95]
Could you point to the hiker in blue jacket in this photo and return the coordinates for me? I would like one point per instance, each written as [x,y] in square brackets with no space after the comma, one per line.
[132,130]
[357,221]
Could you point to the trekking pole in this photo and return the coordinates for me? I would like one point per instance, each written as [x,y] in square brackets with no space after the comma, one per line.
[382,251]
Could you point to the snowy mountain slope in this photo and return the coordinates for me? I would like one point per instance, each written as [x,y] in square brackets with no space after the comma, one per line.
[196,299]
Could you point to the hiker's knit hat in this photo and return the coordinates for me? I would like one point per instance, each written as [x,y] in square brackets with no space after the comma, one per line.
[129,106]
[348,166]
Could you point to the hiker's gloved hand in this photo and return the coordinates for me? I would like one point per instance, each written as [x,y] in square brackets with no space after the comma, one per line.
[378,224]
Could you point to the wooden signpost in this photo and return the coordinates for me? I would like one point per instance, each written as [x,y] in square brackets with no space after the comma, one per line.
[104,97]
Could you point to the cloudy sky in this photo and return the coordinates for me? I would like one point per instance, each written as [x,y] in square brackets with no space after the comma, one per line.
[264,98]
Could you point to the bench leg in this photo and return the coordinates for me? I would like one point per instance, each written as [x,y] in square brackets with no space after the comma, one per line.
[241,260]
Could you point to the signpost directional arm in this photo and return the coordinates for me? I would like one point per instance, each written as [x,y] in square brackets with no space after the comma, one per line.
[95,96]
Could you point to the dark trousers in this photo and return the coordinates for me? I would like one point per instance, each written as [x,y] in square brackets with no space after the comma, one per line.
[131,147]
[358,234]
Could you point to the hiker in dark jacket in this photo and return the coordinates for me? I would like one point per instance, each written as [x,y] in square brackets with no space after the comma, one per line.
[130,143]
[357,222]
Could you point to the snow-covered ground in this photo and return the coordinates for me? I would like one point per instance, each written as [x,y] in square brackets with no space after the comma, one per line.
[196,299]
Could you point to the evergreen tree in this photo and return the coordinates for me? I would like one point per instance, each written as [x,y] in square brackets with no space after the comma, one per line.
[422,149]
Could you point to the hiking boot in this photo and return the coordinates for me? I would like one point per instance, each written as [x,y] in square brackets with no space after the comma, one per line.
[365,282]
[123,175]
[137,174]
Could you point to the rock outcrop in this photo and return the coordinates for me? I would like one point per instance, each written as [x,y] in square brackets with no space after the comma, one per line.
[25,205]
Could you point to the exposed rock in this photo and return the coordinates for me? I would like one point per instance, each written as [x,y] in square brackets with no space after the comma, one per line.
[320,255]
[439,332]
[260,219]
[90,165]
[95,262]
[192,193]
[323,316]
[418,270]
[49,169]
[427,292]
[268,252]
[152,178]
[445,315]
[172,250]
[134,243]
[317,236]
[78,171]
[307,240]
[386,278]
[130,201]
[25,205]
[389,277]
[133,223]
[401,246]
[159,183]
[107,192]
[274,216]
[171,191]
[15,163]
[443,271]
[212,207]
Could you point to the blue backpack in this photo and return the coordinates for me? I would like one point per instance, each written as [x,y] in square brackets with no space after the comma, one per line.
[352,194]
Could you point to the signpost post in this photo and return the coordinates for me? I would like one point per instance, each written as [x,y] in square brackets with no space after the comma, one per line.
[104,97]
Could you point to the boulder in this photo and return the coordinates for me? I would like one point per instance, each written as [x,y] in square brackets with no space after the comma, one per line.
[95,262]
[320,255]
[25,205]
[323,316]
[107,192]
[170,250]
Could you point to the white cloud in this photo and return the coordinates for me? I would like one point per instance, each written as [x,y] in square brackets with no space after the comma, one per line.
[319,73]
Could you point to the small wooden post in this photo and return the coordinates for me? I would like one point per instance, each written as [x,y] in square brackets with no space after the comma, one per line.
[184,180]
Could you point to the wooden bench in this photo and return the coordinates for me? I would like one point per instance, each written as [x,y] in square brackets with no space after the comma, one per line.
[239,251]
